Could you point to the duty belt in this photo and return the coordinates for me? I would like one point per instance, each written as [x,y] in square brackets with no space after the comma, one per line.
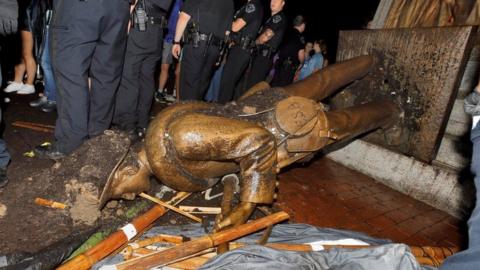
[197,37]
[265,51]
[246,43]
[162,21]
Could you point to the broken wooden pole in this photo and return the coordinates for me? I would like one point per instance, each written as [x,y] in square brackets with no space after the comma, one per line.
[49,203]
[34,126]
[166,205]
[190,248]
[87,259]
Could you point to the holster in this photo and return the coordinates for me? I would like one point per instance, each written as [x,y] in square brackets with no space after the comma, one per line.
[264,50]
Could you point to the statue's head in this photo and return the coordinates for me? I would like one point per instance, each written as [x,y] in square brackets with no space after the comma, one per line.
[127,180]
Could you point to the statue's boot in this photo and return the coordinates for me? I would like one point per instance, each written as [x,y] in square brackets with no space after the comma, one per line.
[351,122]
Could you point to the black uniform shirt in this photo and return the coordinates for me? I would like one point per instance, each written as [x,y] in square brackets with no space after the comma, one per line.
[278,24]
[294,42]
[252,14]
[212,16]
[158,8]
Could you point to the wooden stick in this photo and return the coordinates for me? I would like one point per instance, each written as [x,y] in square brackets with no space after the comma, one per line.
[166,205]
[200,210]
[173,239]
[189,248]
[87,259]
[51,204]
[34,126]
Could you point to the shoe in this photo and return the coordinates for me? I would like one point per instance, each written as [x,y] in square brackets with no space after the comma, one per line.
[3,177]
[159,96]
[26,89]
[39,102]
[50,106]
[48,151]
[13,87]
[170,98]
[141,133]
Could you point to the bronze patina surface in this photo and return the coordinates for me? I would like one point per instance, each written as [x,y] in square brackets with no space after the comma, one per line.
[190,146]
[420,69]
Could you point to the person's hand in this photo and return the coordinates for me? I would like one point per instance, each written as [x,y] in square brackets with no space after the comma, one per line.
[8,17]
[176,49]
[477,89]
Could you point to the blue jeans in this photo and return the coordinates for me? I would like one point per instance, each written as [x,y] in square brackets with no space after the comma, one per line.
[214,89]
[469,259]
[49,80]
[4,155]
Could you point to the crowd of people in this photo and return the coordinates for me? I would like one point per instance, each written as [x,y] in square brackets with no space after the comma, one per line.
[104,66]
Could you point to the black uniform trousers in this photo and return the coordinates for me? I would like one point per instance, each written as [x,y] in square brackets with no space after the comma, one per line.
[261,65]
[88,40]
[284,75]
[134,98]
[196,70]
[237,62]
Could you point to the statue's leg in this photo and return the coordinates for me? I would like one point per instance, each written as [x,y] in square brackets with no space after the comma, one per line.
[325,82]
[199,138]
[353,121]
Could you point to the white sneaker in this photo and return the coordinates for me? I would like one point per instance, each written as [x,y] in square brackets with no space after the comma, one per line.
[170,98]
[27,89]
[13,87]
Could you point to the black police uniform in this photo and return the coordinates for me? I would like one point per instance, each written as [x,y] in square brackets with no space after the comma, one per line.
[288,61]
[240,52]
[88,40]
[203,38]
[262,62]
[144,51]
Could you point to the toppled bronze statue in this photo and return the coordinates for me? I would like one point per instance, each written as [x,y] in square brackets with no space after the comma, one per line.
[190,146]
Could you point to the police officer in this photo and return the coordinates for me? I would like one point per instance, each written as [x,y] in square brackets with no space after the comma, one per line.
[203,24]
[267,47]
[144,51]
[88,40]
[291,54]
[8,25]
[247,22]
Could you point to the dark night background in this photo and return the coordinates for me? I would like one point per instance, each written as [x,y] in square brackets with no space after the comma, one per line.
[325,18]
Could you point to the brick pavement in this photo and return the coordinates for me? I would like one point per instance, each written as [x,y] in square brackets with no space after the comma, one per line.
[327,194]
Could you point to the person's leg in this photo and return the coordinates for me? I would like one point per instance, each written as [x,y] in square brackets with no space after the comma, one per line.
[167,60]
[107,64]
[73,38]
[469,259]
[147,88]
[49,80]
[20,71]
[126,97]
[209,61]
[177,80]
[27,54]
[191,75]
[4,155]
[162,81]
[260,67]
[233,70]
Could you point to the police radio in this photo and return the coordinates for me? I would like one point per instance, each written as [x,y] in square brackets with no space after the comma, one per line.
[140,16]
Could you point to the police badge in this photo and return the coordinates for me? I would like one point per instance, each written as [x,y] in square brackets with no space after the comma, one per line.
[277,19]
[250,8]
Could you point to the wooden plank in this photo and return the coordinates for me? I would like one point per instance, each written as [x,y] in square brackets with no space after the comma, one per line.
[420,69]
